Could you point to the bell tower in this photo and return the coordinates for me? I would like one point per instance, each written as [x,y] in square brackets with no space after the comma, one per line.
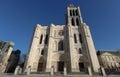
[80,40]
[73,16]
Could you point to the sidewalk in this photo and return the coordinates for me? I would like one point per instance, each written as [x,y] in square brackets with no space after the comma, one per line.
[47,75]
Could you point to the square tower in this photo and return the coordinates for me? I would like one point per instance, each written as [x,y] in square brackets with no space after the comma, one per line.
[80,40]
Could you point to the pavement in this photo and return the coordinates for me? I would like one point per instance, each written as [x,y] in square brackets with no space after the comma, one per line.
[47,75]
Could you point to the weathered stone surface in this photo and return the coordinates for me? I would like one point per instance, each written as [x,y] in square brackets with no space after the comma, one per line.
[90,71]
[103,71]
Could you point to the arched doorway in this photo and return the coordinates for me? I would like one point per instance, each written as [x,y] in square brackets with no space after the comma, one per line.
[60,66]
[41,65]
[81,65]
[61,63]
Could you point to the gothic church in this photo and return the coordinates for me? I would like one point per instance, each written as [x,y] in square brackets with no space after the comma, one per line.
[67,46]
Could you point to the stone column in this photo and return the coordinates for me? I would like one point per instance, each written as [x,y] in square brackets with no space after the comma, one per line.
[52,71]
[17,70]
[103,71]
[50,48]
[71,48]
[90,71]
[20,70]
[65,71]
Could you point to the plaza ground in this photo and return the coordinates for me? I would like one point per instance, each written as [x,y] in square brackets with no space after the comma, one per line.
[47,75]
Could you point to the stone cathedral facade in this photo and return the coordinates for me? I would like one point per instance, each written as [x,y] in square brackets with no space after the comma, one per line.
[67,46]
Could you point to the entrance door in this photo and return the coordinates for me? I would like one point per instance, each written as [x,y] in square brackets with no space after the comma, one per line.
[81,66]
[40,67]
[61,66]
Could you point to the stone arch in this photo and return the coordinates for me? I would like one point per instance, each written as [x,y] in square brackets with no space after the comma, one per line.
[41,64]
[81,64]
[70,12]
[77,21]
[73,12]
[76,11]
[60,45]
[72,22]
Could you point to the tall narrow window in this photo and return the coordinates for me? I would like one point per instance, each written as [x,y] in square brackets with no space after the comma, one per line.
[73,13]
[80,38]
[60,45]
[72,21]
[80,51]
[41,37]
[46,39]
[70,12]
[77,21]
[76,11]
[75,38]
[42,52]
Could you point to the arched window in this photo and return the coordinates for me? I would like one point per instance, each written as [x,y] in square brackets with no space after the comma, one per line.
[72,21]
[73,13]
[70,12]
[41,37]
[77,21]
[80,51]
[60,45]
[76,11]
[46,39]
[42,52]
[80,38]
[75,38]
